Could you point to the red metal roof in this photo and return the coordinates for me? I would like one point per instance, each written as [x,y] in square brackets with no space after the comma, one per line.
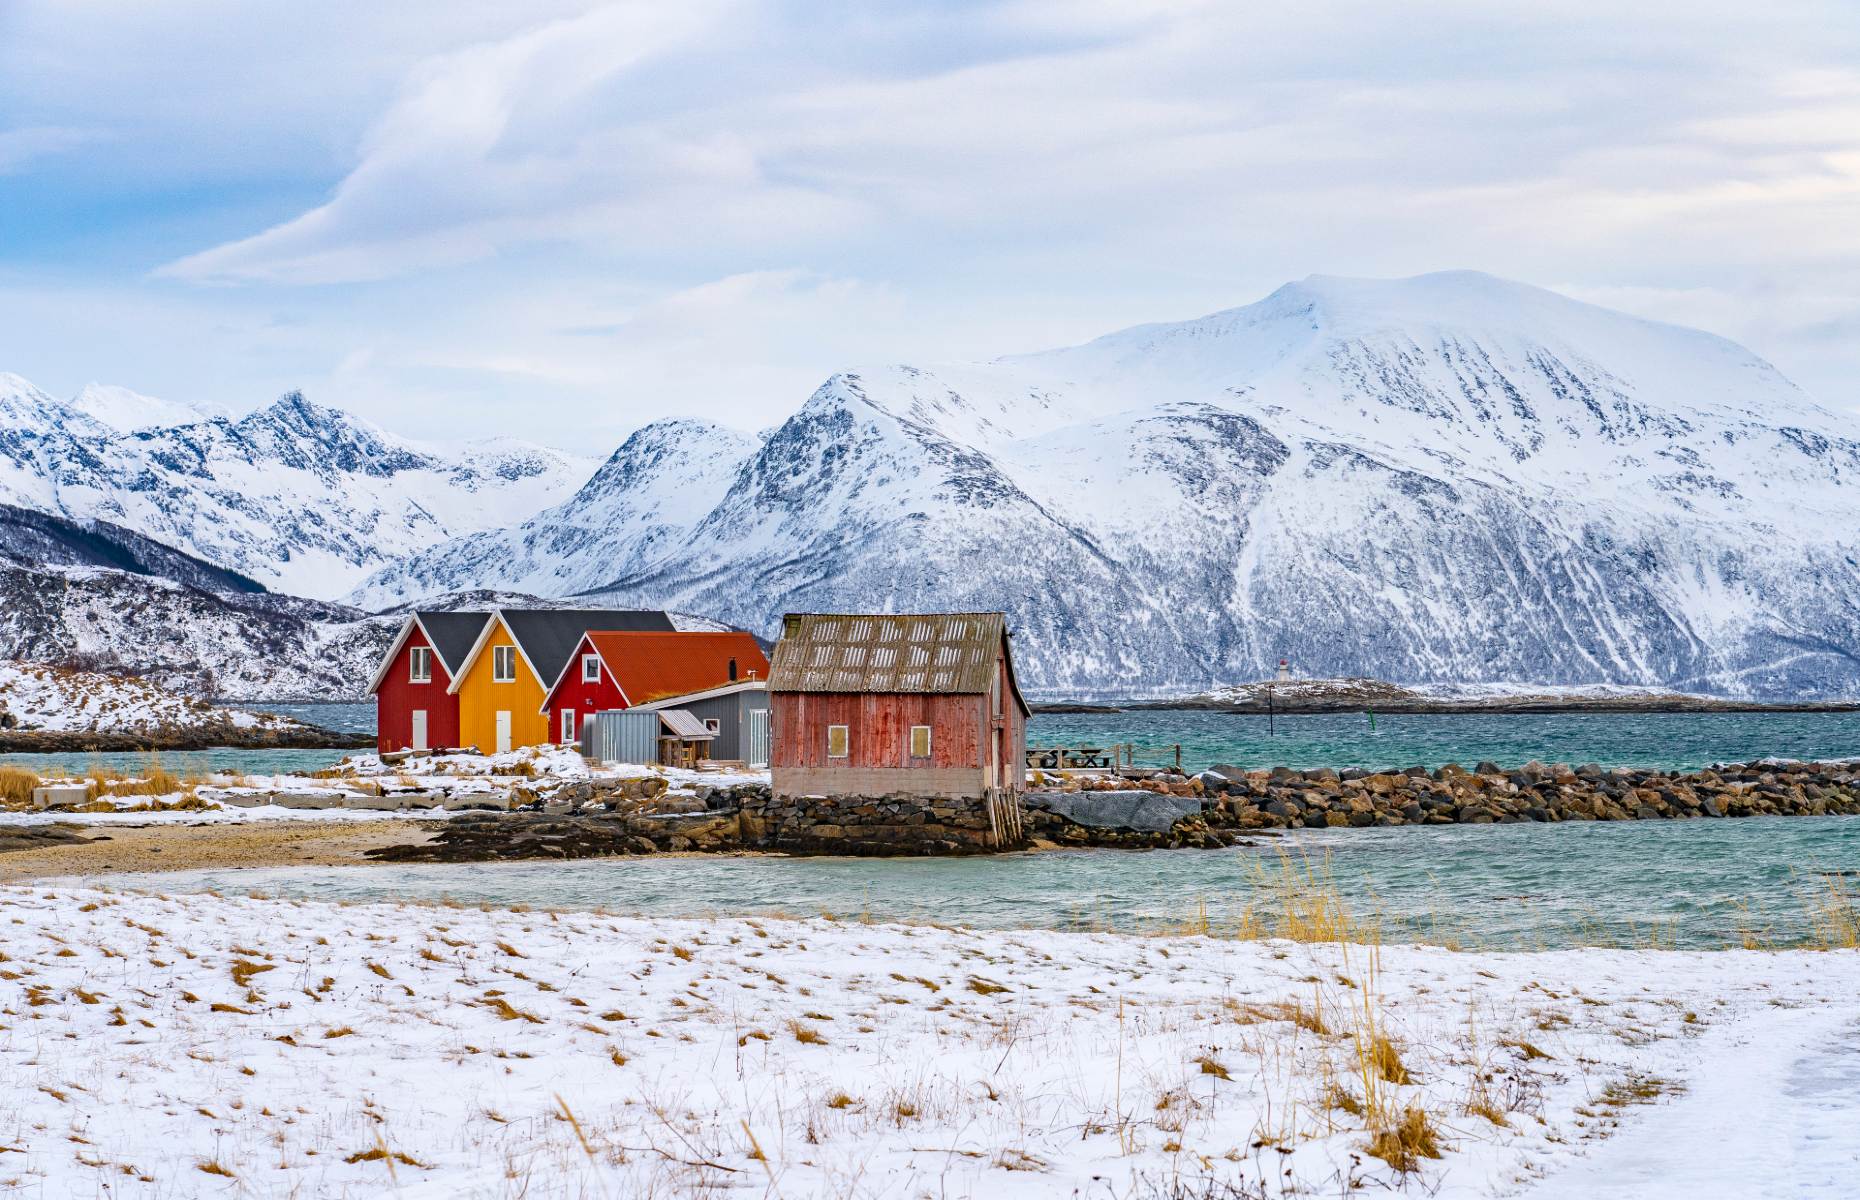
[648,666]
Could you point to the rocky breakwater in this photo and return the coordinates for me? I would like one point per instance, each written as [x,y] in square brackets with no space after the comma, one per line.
[871,825]
[590,820]
[1489,794]
[587,820]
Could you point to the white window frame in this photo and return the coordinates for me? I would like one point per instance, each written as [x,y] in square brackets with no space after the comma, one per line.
[590,668]
[910,745]
[569,724]
[503,664]
[417,658]
[845,732]
[713,724]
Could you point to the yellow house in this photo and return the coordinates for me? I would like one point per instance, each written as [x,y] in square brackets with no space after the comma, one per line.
[503,682]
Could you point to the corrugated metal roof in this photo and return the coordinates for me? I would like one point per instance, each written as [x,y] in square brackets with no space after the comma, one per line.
[948,653]
[684,725]
[652,666]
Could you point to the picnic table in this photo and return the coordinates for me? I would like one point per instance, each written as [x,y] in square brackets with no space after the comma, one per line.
[1076,758]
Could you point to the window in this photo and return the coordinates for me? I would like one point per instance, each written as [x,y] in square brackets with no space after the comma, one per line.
[836,741]
[503,664]
[590,668]
[920,741]
[420,665]
[568,727]
[713,724]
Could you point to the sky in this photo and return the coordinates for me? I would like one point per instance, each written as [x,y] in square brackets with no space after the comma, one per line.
[562,220]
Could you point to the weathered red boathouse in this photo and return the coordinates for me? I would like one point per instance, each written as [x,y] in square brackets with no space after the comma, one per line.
[922,704]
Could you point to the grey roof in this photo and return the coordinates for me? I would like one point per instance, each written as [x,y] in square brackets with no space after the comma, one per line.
[684,725]
[950,653]
[453,634]
[549,635]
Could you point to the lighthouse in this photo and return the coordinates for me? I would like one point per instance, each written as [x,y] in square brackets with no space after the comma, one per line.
[1285,671]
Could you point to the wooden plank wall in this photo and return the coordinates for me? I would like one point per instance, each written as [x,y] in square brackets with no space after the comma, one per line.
[878,728]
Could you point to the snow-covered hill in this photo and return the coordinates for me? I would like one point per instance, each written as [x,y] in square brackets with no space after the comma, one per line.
[187,640]
[303,498]
[52,699]
[1444,478]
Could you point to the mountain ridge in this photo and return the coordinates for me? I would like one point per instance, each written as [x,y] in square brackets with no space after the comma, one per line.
[299,496]
[1445,478]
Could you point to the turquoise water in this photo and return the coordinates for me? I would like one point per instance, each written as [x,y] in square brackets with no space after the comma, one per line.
[182,762]
[1684,884]
[1674,741]
[1671,741]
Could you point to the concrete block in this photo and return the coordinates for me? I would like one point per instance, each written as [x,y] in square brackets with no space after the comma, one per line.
[307,799]
[60,793]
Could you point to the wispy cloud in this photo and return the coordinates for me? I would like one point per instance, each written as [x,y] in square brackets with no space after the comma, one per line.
[598,210]
[19,147]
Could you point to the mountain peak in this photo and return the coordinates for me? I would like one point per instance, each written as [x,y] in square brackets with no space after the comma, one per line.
[127,411]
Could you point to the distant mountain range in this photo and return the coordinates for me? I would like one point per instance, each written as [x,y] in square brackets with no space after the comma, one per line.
[305,499]
[1442,479]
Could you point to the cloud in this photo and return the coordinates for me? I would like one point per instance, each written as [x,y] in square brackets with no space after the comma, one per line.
[19,147]
[607,210]
[485,146]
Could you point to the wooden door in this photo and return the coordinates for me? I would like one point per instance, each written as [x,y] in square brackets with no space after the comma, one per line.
[419,730]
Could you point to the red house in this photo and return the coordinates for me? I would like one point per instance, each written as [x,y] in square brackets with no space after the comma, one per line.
[610,671]
[920,705]
[413,710]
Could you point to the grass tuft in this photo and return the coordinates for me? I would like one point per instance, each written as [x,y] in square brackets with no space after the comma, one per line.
[1407,1143]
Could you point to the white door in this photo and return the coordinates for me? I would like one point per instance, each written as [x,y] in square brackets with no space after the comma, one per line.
[419,729]
[503,731]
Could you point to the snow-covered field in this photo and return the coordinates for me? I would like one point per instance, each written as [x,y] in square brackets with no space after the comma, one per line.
[209,1045]
[58,700]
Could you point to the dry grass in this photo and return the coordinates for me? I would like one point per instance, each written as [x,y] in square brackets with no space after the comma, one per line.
[509,1011]
[16,784]
[806,1034]
[243,971]
[1385,1060]
[1403,1145]
[1298,900]
[1834,916]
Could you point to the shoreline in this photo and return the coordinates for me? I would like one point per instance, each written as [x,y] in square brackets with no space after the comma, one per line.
[47,741]
[1520,706]
[157,848]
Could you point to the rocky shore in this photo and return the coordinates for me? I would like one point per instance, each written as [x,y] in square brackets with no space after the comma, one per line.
[1224,806]
[1489,794]
[200,737]
[1354,695]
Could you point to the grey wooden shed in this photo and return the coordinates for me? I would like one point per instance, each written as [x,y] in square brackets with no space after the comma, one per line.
[738,713]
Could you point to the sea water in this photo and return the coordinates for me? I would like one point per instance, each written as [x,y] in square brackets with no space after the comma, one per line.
[1670,741]
[1684,884]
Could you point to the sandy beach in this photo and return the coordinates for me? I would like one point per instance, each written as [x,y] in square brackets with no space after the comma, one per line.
[171,846]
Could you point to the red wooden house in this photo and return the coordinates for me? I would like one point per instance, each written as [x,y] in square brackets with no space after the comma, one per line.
[413,708]
[918,704]
[610,671]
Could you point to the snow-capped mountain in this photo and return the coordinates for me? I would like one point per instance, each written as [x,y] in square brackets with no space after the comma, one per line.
[126,411]
[303,498]
[1444,478]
